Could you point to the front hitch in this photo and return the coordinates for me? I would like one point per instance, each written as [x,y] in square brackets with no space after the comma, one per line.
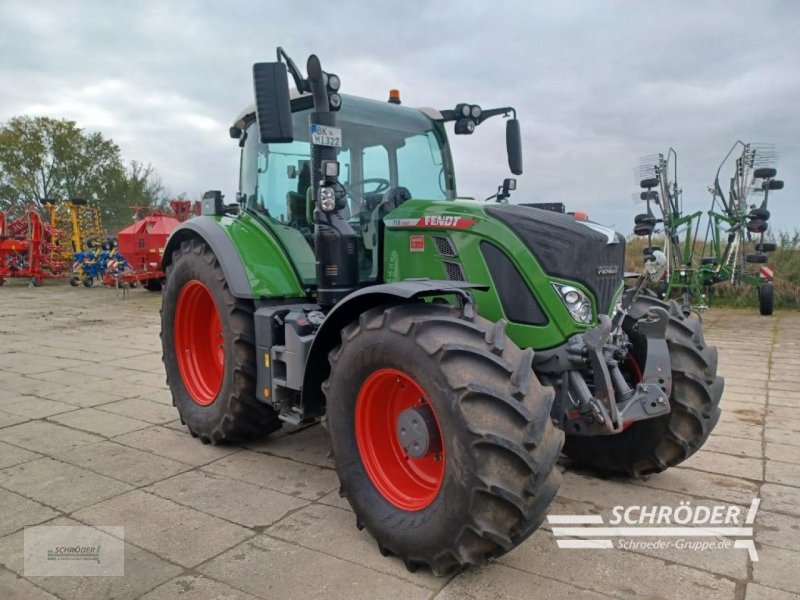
[594,397]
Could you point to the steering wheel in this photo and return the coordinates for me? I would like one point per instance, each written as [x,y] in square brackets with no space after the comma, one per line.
[382,186]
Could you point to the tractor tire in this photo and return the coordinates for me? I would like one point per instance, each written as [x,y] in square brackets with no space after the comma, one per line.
[756,226]
[766,247]
[764,173]
[776,184]
[648,183]
[489,473]
[766,299]
[87,282]
[653,445]
[74,281]
[755,258]
[153,285]
[207,338]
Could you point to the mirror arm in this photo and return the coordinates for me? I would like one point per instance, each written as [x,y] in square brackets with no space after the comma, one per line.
[300,83]
[493,112]
[450,115]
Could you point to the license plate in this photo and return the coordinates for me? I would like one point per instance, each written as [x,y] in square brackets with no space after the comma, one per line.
[323,135]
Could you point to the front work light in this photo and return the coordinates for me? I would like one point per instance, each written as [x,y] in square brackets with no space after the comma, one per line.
[577,303]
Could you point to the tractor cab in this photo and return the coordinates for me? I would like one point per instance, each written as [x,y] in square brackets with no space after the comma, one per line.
[387,154]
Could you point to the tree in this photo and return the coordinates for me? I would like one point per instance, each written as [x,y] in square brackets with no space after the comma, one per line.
[42,157]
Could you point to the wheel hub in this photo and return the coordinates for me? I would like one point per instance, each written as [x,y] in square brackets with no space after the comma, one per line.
[399,439]
[417,430]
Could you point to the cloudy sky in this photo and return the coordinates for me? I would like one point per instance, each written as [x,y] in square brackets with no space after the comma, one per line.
[596,84]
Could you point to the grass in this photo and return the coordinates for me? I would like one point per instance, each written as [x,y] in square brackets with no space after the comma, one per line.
[785,262]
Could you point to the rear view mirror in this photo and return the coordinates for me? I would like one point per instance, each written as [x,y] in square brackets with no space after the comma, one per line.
[514,146]
[273,109]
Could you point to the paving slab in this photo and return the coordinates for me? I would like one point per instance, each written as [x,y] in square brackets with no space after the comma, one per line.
[500,581]
[780,498]
[333,531]
[615,572]
[60,485]
[231,499]
[778,568]
[279,474]
[756,591]
[17,511]
[299,573]
[196,587]
[154,413]
[32,407]
[177,445]
[178,533]
[143,572]
[14,455]
[14,587]
[45,437]
[782,452]
[783,473]
[7,419]
[310,445]
[123,462]
[99,422]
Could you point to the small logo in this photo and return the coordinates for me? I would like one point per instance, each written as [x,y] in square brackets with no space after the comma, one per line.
[607,270]
[416,243]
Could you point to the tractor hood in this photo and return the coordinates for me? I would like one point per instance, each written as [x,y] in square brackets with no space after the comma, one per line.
[581,251]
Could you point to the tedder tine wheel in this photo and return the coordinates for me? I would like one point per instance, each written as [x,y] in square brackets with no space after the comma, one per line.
[207,339]
[441,435]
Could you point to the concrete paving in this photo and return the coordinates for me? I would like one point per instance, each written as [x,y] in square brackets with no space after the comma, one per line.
[88,435]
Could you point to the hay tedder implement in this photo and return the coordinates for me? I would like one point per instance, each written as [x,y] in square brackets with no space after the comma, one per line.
[735,246]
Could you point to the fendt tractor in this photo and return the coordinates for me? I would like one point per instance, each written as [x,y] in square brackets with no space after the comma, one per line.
[451,347]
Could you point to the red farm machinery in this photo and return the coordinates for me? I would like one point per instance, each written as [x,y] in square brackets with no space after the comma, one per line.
[31,248]
[141,245]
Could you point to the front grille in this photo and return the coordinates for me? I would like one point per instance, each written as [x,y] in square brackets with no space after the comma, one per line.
[568,249]
[444,246]
[455,272]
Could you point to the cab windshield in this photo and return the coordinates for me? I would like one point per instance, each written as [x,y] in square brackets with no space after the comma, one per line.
[387,151]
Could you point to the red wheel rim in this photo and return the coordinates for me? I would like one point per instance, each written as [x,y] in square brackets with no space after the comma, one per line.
[407,483]
[199,342]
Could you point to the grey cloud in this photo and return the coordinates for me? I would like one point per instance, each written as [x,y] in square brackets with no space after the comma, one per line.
[596,84]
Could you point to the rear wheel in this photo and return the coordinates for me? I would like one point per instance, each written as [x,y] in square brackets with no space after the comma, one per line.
[653,445]
[766,299]
[441,435]
[208,351]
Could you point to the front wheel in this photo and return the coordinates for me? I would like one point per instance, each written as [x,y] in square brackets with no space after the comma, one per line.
[207,337]
[653,445]
[441,435]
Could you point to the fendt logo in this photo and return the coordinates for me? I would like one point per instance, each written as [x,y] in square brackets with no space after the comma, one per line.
[440,221]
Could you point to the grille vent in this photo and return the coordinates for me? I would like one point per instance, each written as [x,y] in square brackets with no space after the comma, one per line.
[455,272]
[444,246]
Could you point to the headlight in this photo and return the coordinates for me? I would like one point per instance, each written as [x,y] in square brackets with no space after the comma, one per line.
[327,199]
[577,303]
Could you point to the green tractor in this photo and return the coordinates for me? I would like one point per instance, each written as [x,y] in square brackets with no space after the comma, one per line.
[449,346]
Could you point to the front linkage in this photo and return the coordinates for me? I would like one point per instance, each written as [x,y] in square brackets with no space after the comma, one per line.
[600,389]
